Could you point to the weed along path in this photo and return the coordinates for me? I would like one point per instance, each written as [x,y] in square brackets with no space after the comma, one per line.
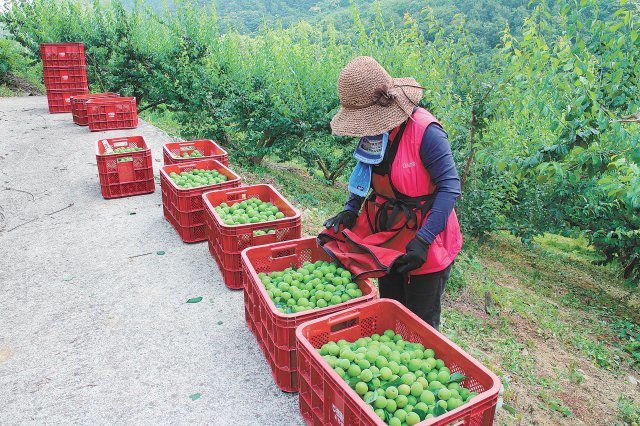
[94,324]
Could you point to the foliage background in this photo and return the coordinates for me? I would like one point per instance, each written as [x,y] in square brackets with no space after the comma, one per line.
[535,114]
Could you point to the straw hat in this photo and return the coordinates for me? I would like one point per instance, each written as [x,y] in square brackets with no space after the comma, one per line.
[372,102]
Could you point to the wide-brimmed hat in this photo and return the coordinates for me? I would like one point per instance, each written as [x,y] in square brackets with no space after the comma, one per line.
[372,102]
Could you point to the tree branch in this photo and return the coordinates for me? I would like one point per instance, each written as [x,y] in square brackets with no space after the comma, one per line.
[151,105]
[338,169]
[324,169]
[472,132]
[58,211]
[633,118]
[20,190]
[22,224]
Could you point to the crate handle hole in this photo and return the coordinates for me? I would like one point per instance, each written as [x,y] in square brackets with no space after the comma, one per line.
[344,325]
[283,251]
[344,321]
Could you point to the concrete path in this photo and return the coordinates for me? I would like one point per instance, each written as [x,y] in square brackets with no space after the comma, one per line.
[89,335]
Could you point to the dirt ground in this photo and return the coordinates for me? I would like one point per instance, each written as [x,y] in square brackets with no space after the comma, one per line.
[94,328]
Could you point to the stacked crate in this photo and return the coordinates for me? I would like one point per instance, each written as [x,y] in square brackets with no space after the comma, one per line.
[79,106]
[112,113]
[65,74]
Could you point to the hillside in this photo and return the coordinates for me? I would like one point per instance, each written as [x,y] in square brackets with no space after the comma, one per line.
[485,19]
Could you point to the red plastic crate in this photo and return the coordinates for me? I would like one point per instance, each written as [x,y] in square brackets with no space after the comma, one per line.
[188,200]
[188,234]
[230,276]
[186,205]
[229,240]
[62,54]
[60,100]
[208,148]
[65,78]
[275,330]
[112,113]
[235,238]
[122,175]
[79,107]
[325,398]
[230,263]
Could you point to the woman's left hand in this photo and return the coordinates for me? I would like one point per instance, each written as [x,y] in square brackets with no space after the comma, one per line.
[415,256]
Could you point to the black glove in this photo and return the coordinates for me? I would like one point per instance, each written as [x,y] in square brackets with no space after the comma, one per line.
[415,256]
[345,217]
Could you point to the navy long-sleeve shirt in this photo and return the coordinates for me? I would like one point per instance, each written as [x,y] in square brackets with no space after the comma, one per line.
[435,153]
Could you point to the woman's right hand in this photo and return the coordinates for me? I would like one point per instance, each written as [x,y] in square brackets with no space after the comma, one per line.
[347,218]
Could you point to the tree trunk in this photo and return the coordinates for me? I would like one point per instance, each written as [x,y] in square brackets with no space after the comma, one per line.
[472,132]
[266,142]
[325,170]
[256,160]
[341,165]
[151,105]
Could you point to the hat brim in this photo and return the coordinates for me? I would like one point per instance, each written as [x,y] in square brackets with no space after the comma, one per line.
[377,119]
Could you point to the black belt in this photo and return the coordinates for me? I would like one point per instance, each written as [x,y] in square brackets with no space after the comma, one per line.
[392,208]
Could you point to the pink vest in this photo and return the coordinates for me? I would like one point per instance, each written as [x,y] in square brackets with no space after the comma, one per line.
[410,177]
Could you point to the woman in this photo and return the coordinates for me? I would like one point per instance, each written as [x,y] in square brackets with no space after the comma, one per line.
[407,233]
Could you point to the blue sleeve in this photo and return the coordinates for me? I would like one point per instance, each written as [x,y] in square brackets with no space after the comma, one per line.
[436,156]
[354,203]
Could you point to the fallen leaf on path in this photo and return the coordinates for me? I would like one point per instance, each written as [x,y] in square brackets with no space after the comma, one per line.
[509,409]
[160,252]
[195,300]
[195,396]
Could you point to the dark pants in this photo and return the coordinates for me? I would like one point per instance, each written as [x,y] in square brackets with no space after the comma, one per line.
[422,294]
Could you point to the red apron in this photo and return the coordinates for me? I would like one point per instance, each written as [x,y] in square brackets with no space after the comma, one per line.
[394,211]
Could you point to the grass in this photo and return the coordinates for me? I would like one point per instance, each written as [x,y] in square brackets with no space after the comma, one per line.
[629,411]
[6,91]
[549,306]
[162,118]
[558,330]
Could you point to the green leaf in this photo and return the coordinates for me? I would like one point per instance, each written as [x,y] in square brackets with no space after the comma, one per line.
[387,416]
[160,252]
[420,413]
[397,382]
[438,411]
[509,409]
[195,300]
[554,405]
[456,378]
[220,322]
[372,397]
[353,381]
[195,396]
[577,150]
